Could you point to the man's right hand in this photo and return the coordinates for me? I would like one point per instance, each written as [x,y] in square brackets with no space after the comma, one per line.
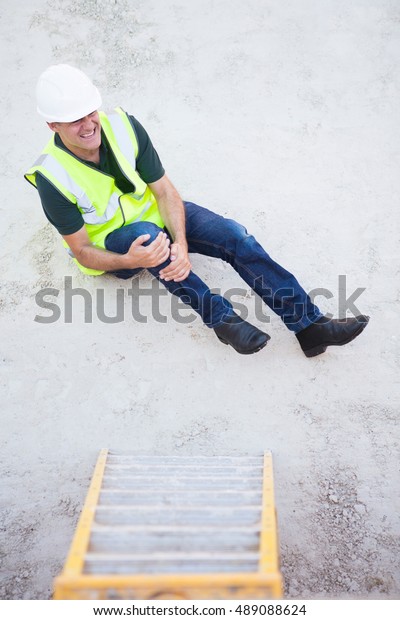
[138,256]
[145,256]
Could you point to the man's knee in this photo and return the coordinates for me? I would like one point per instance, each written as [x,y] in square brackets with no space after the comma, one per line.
[237,233]
[146,228]
[121,239]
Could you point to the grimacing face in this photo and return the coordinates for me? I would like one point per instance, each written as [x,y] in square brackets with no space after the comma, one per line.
[83,136]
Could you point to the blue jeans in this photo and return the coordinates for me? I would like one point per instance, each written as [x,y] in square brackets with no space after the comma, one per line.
[213,235]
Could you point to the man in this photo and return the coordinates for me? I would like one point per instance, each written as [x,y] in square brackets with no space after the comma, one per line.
[103,187]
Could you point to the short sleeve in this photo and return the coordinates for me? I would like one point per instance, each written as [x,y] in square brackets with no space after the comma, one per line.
[63,214]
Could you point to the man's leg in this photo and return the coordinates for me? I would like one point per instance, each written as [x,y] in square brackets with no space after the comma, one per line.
[214,235]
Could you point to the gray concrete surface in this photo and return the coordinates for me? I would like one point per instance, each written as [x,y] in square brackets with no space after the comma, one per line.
[286,116]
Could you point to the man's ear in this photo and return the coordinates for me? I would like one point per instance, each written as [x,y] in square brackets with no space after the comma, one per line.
[53,126]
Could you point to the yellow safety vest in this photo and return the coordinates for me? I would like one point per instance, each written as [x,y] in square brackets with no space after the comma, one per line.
[104,207]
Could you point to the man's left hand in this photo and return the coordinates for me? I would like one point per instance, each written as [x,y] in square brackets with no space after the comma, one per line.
[179,267]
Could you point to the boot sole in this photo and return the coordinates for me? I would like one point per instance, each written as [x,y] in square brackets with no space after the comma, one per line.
[247,352]
[321,348]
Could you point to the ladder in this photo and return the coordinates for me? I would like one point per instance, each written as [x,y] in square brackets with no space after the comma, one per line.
[175,527]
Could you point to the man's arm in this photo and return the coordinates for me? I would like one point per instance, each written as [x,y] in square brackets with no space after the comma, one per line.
[65,216]
[173,213]
[138,255]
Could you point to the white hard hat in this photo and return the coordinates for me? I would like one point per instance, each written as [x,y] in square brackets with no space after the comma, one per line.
[65,94]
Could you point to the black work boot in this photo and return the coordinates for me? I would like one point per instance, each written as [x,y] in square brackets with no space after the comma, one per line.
[327,332]
[242,336]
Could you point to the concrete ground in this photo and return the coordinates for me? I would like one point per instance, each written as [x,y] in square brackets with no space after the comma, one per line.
[285,116]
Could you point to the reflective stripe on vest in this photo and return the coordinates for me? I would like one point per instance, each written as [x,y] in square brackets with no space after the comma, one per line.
[89,213]
[117,134]
[124,142]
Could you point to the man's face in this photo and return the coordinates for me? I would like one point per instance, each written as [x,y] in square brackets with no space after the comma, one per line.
[80,136]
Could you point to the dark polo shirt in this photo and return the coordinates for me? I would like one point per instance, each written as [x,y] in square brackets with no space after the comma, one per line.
[65,215]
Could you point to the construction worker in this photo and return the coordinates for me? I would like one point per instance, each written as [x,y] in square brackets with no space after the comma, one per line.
[103,187]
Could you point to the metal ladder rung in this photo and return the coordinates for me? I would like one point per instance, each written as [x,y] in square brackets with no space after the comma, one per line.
[204,484]
[152,470]
[120,514]
[171,529]
[109,567]
[130,542]
[133,497]
[204,461]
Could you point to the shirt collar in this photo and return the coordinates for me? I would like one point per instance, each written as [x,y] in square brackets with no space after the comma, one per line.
[103,150]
